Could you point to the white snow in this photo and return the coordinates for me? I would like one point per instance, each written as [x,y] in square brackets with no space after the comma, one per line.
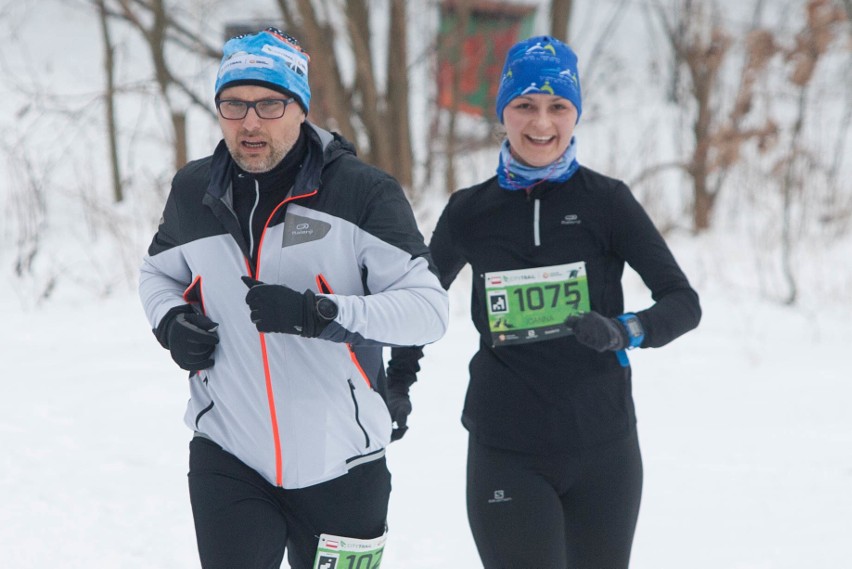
[744,425]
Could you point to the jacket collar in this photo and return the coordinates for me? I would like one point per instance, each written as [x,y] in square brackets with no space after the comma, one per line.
[324,148]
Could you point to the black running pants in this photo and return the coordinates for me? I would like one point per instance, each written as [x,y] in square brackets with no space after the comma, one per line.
[559,511]
[243,521]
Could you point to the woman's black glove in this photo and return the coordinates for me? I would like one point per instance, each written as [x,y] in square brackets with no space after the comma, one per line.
[189,336]
[598,332]
[277,308]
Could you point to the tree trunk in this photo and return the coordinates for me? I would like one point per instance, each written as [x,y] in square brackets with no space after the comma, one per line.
[402,163]
[702,56]
[372,111]
[788,184]
[703,206]
[463,19]
[179,128]
[331,106]
[155,36]
[109,97]
[362,111]
[700,156]
[560,19]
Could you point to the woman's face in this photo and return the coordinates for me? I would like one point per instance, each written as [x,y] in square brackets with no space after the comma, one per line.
[539,127]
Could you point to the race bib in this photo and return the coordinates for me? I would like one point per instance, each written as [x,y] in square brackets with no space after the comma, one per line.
[335,552]
[530,305]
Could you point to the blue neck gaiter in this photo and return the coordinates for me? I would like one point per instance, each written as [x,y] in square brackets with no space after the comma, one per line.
[512,175]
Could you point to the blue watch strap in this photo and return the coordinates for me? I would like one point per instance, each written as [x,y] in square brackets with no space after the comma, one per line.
[635,335]
[633,327]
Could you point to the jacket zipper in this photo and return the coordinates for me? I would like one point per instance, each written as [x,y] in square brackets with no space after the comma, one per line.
[357,416]
[537,222]
[251,217]
[202,413]
[267,372]
[536,217]
[325,288]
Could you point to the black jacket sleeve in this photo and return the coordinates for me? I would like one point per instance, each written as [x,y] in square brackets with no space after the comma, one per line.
[444,254]
[676,309]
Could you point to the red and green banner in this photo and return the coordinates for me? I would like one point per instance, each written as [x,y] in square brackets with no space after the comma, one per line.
[478,51]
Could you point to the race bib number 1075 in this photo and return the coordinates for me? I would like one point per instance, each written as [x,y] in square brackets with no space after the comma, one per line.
[530,305]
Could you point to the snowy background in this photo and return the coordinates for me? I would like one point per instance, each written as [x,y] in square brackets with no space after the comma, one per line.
[744,423]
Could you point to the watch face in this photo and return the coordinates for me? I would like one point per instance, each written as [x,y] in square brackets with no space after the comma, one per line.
[633,327]
[326,308]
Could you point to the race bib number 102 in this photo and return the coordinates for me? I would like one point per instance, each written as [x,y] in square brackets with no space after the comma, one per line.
[530,305]
[336,552]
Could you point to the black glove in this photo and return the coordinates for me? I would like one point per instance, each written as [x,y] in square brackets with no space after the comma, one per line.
[598,332]
[277,308]
[189,336]
[402,373]
[399,406]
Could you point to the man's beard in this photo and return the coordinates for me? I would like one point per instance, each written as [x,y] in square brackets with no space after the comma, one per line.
[259,164]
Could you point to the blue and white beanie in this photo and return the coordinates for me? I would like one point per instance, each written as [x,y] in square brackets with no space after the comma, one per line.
[269,58]
[540,64]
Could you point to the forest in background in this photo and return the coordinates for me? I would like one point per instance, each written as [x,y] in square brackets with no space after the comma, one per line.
[729,120]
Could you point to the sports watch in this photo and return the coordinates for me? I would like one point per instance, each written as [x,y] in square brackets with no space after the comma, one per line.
[326,308]
[635,335]
[635,331]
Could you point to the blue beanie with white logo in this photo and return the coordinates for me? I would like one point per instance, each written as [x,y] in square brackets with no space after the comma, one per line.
[540,64]
[269,58]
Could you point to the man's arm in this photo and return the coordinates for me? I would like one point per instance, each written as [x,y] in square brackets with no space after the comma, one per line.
[164,275]
[405,303]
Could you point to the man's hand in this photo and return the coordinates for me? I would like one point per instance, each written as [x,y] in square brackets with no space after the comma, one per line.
[277,308]
[598,332]
[191,339]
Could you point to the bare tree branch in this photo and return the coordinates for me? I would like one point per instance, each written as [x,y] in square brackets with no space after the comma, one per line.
[176,32]
[652,171]
[591,60]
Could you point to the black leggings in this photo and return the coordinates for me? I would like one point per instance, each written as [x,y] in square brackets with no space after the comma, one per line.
[241,520]
[575,511]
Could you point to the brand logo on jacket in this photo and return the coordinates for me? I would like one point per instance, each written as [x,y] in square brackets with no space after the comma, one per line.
[299,229]
[571,219]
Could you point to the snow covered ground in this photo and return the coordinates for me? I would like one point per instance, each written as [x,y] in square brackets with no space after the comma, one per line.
[744,424]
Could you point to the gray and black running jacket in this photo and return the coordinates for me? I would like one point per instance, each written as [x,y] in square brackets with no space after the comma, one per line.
[299,411]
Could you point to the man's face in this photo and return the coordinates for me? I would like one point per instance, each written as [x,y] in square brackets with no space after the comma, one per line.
[258,145]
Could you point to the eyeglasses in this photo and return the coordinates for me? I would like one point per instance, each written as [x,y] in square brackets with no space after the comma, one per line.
[234,109]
